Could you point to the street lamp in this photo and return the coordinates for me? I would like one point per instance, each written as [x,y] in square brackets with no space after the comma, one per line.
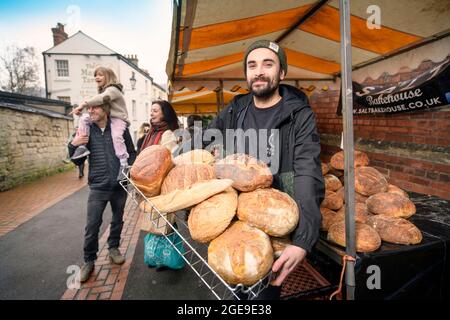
[133,81]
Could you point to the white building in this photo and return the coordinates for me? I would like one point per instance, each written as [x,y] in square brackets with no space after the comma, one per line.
[69,74]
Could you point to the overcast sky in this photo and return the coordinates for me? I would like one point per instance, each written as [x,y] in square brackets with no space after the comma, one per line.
[141,27]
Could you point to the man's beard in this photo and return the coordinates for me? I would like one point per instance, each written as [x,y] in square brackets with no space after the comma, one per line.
[267,91]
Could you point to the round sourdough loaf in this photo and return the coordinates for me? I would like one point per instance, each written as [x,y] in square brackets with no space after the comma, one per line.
[210,218]
[332,182]
[395,230]
[362,213]
[325,168]
[360,159]
[369,181]
[184,175]
[394,189]
[332,200]
[328,218]
[367,238]
[359,198]
[391,204]
[247,172]
[279,244]
[199,156]
[242,254]
[270,210]
[150,168]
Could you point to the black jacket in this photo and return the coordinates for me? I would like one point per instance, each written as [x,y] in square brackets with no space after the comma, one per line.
[103,162]
[300,171]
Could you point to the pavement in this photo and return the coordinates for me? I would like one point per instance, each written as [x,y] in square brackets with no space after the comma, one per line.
[41,244]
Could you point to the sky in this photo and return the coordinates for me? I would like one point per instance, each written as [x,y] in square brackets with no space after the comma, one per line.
[140,27]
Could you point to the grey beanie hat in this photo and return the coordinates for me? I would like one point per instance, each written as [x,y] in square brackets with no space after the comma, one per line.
[268,45]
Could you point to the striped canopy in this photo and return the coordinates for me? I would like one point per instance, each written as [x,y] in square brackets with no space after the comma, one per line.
[209,37]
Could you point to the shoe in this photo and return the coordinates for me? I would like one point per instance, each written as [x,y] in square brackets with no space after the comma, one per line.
[80,152]
[115,256]
[80,176]
[162,268]
[86,271]
[122,176]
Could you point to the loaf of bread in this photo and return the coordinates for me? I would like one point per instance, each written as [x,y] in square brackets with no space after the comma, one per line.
[358,197]
[242,254]
[194,194]
[210,218]
[150,168]
[332,182]
[367,238]
[325,168]
[360,159]
[247,172]
[279,244]
[184,175]
[362,213]
[369,181]
[391,204]
[395,230]
[332,200]
[397,190]
[198,156]
[328,218]
[270,210]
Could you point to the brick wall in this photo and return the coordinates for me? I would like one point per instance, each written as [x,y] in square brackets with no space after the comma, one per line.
[32,145]
[411,149]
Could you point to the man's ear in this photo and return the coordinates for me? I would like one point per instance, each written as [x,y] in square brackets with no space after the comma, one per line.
[282,74]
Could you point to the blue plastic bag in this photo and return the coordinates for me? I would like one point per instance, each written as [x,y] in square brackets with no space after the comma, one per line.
[158,251]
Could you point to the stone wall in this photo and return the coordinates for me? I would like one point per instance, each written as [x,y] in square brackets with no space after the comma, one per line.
[32,145]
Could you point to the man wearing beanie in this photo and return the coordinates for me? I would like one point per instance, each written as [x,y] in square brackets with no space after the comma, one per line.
[290,145]
[104,187]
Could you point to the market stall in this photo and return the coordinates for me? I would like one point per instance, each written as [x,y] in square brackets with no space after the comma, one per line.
[325,42]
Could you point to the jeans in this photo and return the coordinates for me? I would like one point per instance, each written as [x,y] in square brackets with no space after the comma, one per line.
[97,202]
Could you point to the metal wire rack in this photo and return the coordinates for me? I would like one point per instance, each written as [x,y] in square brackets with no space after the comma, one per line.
[195,254]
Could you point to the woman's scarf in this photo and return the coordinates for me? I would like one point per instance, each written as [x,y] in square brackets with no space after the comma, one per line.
[154,135]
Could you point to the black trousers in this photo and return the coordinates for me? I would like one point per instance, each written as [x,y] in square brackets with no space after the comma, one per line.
[97,202]
[81,170]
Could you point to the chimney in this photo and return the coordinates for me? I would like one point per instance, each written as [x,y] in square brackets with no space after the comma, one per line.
[133,59]
[58,34]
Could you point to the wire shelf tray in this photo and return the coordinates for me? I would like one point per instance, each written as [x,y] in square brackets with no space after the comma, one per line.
[195,254]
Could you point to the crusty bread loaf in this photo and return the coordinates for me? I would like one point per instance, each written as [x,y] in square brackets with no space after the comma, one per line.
[242,254]
[194,194]
[184,175]
[332,182]
[359,198]
[198,156]
[210,218]
[362,213]
[247,172]
[391,204]
[270,210]
[395,230]
[397,190]
[367,238]
[279,244]
[360,159]
[325,168]
[335,172]
[369,181]
[332,200]
[328,218]
[150,168]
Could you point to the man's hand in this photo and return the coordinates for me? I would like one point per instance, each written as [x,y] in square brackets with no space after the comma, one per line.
[78,140]
[287,262]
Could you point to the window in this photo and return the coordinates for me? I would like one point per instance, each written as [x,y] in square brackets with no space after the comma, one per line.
[146,87]
[133,109]
[147,112]
[62,68]
[64,98]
